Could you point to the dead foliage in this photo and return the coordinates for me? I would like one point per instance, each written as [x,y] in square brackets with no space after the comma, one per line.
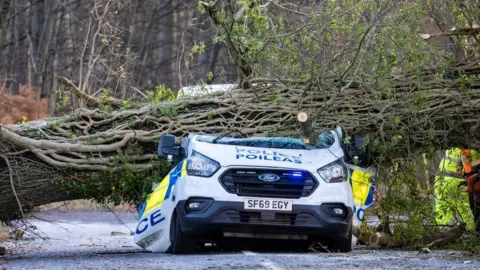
[22,107]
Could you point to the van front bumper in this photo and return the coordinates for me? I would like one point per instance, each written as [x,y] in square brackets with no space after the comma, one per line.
[315,221]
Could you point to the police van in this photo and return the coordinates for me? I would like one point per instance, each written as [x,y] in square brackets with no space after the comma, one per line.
[224,187]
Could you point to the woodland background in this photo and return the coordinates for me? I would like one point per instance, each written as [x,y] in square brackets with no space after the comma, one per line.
[40,39]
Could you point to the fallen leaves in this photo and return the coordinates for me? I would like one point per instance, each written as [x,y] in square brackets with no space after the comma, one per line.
[22,107]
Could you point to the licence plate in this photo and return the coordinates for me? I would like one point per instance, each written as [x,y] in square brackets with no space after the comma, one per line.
[268,204]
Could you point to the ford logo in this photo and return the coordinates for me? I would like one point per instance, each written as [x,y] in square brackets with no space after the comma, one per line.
[268,177]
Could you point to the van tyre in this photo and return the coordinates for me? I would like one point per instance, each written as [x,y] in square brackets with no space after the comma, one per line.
[181,243]
[342,244]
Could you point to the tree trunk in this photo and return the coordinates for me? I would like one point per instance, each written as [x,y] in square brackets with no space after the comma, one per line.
[32,186]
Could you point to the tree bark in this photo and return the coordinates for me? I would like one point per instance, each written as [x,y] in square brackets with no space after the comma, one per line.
[27,182]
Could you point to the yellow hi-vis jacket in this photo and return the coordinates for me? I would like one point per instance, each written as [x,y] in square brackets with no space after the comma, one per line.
[449,163]
[475,157]
[453,158]
[449,200]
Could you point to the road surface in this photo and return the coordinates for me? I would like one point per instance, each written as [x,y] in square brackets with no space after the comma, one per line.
[102,240]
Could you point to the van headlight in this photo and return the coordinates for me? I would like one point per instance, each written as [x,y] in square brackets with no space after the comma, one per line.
[334,172]
[200,165]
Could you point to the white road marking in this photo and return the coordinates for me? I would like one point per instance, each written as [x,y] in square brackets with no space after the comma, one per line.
[266,263]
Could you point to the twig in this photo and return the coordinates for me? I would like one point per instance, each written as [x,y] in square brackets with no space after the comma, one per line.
[360,45]
[452,236]
[92,101]
[139,92]
[453,32]
[113,212]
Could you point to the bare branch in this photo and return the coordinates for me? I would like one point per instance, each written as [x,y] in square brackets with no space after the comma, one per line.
[454,32]
[5,158]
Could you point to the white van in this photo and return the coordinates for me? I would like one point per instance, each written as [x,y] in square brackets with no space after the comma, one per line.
[279,188]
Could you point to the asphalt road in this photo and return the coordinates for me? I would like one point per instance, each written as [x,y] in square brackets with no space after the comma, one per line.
[98,240]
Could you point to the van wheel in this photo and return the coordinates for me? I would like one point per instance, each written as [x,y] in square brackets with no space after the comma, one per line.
[342,244]
[181,243]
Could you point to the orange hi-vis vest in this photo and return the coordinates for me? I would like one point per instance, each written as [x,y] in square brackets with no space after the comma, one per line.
[470,158]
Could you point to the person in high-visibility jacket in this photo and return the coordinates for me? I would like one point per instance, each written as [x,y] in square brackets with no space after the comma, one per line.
[450,200]
[470,161]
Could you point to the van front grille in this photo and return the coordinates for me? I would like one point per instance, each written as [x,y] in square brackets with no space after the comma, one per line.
[287,183]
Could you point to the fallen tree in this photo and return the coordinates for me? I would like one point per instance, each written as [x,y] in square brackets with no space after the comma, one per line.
[105,153]
[371,74]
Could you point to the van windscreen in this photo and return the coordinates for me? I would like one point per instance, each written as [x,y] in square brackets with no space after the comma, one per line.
[325,141]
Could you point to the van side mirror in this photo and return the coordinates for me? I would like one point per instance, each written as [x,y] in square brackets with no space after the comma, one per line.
[166,147]
[356,151]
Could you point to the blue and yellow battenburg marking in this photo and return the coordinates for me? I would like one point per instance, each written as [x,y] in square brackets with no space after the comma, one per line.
[163,191]
[362,188]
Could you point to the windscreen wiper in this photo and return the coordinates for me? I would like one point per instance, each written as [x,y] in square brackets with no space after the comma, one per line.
[226,133]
